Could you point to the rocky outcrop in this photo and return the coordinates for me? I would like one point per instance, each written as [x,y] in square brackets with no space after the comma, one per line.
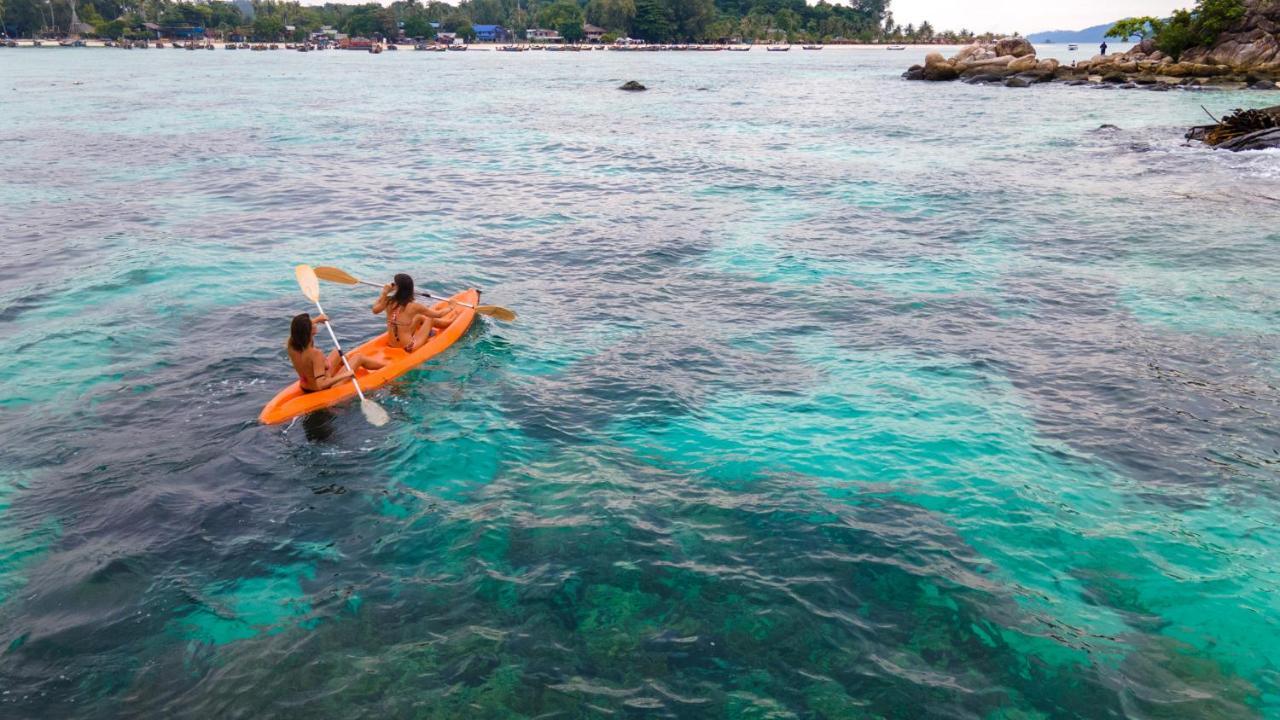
[1252,44]
[1245,56]
[937,68]
[632,86]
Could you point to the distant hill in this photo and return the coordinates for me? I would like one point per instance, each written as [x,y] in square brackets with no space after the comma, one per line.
[1093,34]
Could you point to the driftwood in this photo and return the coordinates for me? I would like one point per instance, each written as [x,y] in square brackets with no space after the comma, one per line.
[1241,130]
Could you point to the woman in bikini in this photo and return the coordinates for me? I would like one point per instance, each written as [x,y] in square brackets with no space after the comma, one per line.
[315,371]
[410,323]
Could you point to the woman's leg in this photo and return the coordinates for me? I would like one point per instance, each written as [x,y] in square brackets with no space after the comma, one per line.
[361,361]
[337,370]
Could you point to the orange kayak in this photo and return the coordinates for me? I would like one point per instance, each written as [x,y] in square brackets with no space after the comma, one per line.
[292,401]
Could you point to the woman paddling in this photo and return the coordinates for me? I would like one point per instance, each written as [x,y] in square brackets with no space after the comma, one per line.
[315,371]
[410,323]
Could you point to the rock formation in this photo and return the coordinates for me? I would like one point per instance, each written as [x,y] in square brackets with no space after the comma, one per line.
[1252,44]
[1246,55]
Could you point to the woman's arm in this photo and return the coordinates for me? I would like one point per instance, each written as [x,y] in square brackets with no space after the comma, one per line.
[381,303]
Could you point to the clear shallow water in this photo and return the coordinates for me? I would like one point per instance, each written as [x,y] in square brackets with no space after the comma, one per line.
[832,395]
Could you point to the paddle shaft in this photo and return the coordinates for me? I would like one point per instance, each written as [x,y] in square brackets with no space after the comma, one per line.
[328,326]
[423,294]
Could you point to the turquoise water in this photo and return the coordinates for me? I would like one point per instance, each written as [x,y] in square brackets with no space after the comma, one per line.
[831,395]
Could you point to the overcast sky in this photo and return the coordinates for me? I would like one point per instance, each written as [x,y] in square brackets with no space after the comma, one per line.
[1025,17]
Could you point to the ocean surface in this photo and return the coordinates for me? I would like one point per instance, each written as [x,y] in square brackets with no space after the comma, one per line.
[831,395]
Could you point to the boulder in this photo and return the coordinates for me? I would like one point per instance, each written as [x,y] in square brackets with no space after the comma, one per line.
[1263,85]
[1115,78]
[971,53]
[1244,48]
[1017,47]
[1022,64]
[1050,66]
[999,64]
[983,79]
[1017,82]
[1145,80]
[915,72]
[632,86]
[1146,47]
[1035,76]
[940,72]
[938,68]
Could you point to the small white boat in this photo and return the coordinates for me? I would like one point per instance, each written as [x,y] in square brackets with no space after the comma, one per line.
[811,47]
[897,47]
[778,48]
[1073,46]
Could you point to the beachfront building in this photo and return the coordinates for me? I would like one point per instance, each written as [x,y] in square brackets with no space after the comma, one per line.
[592,33]
[491,33]
[540,35]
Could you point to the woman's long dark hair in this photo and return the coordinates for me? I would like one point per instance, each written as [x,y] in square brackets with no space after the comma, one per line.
[300,332]
[404,290]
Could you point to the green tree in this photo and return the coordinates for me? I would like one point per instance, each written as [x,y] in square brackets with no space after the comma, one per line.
[110,29]
[615,15]
[1199,27]
[571,31]
[692,17]
[418,26]
[460,26]
[224,15]
[1141,27]
[561,14]
[267,27]
[653,21]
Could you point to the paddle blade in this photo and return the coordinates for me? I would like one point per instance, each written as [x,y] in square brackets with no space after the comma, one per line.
[333,274]
[495,311]
[374,413]
[308,282]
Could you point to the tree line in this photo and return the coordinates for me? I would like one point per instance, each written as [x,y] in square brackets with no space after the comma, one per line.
[651,20]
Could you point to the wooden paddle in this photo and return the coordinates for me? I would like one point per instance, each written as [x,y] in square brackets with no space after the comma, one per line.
[333,274]
[373,412]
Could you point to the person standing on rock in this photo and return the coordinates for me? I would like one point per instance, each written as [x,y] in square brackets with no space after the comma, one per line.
[1103,47]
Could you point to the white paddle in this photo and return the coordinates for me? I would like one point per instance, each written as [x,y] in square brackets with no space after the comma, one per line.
[310,285]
